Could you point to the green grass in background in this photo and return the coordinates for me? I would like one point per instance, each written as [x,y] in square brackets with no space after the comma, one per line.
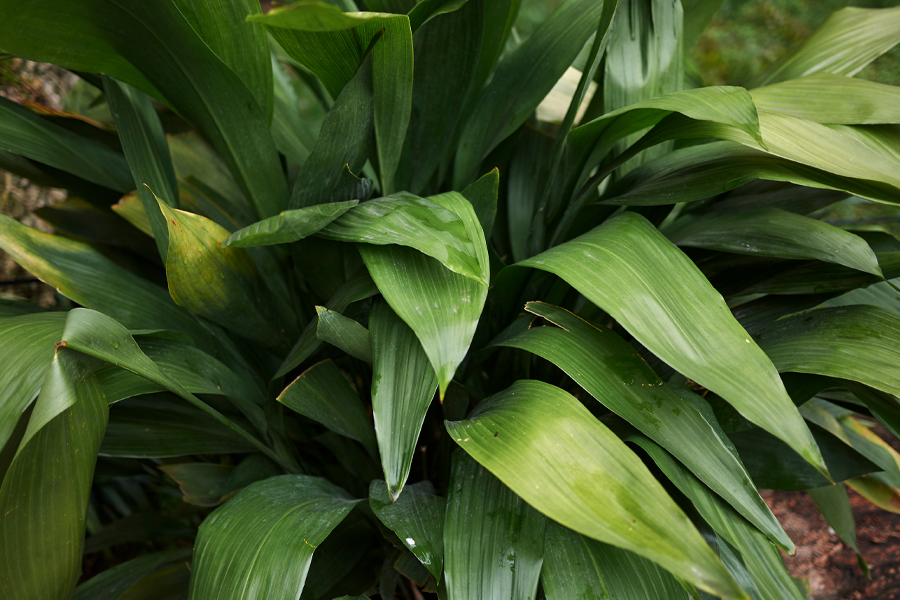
[747,36]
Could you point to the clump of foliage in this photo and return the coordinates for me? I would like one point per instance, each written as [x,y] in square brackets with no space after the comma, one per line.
[350,319]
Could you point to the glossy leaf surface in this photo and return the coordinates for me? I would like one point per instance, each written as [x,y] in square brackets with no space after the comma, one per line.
[259,544]
[493,540]
[417,517]
[323,394]
[654,291]
[609,369]
[605,492]
[343,332]
[403,385]
[288,226]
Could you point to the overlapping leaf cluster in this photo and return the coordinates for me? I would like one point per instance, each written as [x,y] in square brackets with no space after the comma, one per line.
[390,333]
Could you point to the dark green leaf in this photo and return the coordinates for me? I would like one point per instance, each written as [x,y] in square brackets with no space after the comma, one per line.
[113,582]
[260,543]
[288,226]
[144,143]
[26,351]
[44,496]
[323,394]
[493,540]
[834,504]
[579,567]
[523,79]
[441,307]
[524,433]
[859,343]
[774,232]
[627,268]
[417,517]
[344,333]
[210,484]
[403,385]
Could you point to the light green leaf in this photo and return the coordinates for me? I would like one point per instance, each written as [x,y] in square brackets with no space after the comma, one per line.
[441,307]
[403,385]
[148,43]
[522,80]
[627,268]
[826,98]
[420,223]
[849,40]
[323,394]
[882,295]
[288,226]
[243,46]
[859,343]
[710,169]
[358,287]
[834,504]
[222,284]
[417,518]
[44,496]
[25,133]
[579,567]
[26,351]
[493,540]
[774,232]
[524,433]
[260,543]
[763,561]
[610,370]
[144,143]
[344,333]
[88,278]
[333,46]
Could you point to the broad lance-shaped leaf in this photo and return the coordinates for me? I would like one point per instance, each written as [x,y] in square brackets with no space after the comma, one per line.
[826,98]
[211,484]
[627,268]
[608,368]
[323,394]
[761,557]
[524,433]
[97,335]
[44,495]
[493,540]
[112,583]
[288,226]
[440,306]
[849,40]
[407,220]
[417,517]
[88,278]
[260,543]
[222,284]
[25,133]
[774,232]
[403,385]
[647,33]
[834,504]
[579,567]
[144,142]
[344,333]
[359,287]
[523,79]
[859,343]
[145,45]
[332,45]
[243,46]
[26,350]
